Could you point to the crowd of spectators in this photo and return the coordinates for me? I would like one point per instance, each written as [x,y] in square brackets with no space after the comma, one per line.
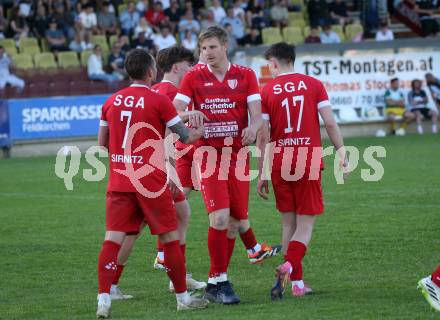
[413,105]
[69,24]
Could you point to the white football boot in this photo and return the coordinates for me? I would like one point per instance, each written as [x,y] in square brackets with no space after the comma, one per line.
[104,306]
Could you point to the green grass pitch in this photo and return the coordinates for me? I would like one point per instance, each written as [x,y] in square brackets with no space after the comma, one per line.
[369,249]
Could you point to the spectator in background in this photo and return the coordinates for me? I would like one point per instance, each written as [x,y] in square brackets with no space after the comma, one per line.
[165,4]
[370,15]
[88,19]
[384,33]
[188,23]
[338,12]
[258,19]
[6,77]
[232,42]
[76,43]
[95,69]
[116,61]
[239,10]
[86,42]
[328,36]
[3,23]
[279,13]
[426,10]
[155,16]
[433,84]
[129,19]
[64,20]
[40,22]
[143,27]
[124,42]
[164,39]
[173,14]
[313,37]
[207,19]
[107,21]
[395,108]
[235,23]
[418,103]
[319,13]
[217,10]
[55,38]
[25,8]
[19,26]
[142,42]
[253,38]
[142,7]
[189,41]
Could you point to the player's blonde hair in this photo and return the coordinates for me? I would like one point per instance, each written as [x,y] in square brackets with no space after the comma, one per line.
[214,32]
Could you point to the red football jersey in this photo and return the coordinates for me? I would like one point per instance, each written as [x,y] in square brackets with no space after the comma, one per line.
[291,102]
[137,106]
[166,88]
[224,103]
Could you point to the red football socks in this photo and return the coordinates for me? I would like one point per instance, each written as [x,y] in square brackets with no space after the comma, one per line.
[107,267]
[436,276]
[218,251]
[159,245]
[231,244]
[183,249]
[175,265]
[248,239]
[295,253]
[118,274]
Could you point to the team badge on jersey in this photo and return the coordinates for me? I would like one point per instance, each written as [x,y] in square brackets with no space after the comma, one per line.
[232,83]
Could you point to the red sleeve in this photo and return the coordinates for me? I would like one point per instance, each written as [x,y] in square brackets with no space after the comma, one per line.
[186,90]
[172,92]
[167,112]
[264,104]
[322,96]
[253,92]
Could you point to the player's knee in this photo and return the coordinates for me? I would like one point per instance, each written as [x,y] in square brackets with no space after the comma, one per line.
[233,228]
[220,222]
[169,236]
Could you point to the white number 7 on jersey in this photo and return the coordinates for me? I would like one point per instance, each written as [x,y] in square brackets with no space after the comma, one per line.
[285,103]
[128,115]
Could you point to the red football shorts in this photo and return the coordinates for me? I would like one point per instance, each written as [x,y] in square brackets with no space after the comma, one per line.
[125,212]
[185,171]
[179,197]
[224,188]
[302,197]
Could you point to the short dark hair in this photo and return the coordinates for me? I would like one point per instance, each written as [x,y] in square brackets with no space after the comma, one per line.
[281,51]
[394,80]
[137,63]
[214,32]
[167,57]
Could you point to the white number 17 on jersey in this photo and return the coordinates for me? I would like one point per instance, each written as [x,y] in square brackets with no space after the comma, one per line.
[285,103]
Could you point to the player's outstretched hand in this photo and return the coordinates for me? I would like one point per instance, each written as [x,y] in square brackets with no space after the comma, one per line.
[263,188]
[196,118]
[248,136]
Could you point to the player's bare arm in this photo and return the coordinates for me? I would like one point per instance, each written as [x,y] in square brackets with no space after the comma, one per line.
[171,158]
[263,137]
[335,136]
[103,136]
[249,134]
[187,135]
[195,118]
